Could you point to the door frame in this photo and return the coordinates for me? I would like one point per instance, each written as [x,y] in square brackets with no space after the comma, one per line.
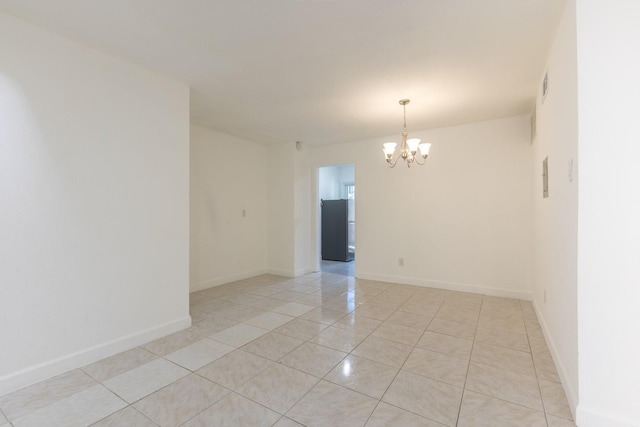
[316,223]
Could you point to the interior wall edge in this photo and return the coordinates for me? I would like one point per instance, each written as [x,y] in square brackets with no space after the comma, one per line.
[571,393]
[43,371]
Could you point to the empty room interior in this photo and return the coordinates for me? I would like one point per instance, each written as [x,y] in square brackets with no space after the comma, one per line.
[167,174]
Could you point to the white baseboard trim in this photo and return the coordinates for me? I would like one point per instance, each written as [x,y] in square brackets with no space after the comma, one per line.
[572,395]
[43,371]
[589,418]
[302,272]
[450,286]
[194,287]
[278,272]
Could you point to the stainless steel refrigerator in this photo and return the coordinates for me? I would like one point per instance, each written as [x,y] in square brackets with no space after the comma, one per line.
[338,230]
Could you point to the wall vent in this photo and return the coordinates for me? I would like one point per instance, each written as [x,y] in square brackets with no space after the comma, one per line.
[534,124]
[545,85]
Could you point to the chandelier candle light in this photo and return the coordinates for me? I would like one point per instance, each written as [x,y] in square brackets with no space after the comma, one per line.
[408,147]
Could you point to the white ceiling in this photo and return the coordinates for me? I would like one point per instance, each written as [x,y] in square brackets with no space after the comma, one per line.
[324,71]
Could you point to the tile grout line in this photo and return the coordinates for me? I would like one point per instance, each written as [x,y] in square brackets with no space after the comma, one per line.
[395,376]
[535,370]
[319,379]
[403,363]
[341,360]
[473,343]
[283,415]
[369,301]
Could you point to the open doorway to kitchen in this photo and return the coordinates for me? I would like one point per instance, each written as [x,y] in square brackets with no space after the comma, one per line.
[337,222]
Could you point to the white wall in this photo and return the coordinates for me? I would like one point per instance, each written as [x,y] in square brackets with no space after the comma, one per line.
[280,210]
[225,245]
[346,175]
[328,183]
[302,208]
[463,221]
[609,209]
[94,188]
[290,208]
[331,181]
[556,217]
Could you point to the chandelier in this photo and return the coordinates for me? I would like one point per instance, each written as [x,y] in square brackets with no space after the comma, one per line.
[408,147]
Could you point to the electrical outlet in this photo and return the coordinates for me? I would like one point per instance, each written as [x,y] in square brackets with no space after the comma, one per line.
[401,262]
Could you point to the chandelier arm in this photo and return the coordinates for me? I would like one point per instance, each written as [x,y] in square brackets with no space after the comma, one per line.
[424,159]
[392,163]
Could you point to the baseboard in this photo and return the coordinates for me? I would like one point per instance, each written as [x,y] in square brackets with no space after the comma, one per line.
[589,418]
[302,272]
[278,272]
[194,287]
[572,396]
[450,286]
[43,371]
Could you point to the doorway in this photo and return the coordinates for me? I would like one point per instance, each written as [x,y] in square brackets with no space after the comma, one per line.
[337,236]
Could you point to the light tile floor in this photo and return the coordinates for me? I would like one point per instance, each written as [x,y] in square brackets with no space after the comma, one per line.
[319,350]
